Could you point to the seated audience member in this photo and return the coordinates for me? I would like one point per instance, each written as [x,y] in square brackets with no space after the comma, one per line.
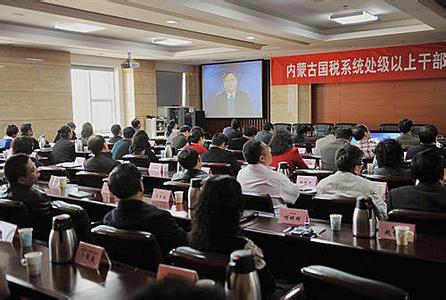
[428,138]
[117,134]
[132,213]
[430,193]
[216,227]
[11,133]
[301,132]
[390,158]
[324,141]
[27,130]
[196,141]
[141,146]
[191,162]
[172,130]
[64,149]
[180,140]
[136,124]
[362,136]
[266,133]
[233,131]
[258,177]
[24,145]
[249,133]
[406,139]
[218,154]
[121,147]
[347,181]
[22,174]
[86,132]
[282,150]
[73,128]
[328,152]
[101,162]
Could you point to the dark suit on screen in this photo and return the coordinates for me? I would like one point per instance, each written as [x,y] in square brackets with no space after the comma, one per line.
[238,107]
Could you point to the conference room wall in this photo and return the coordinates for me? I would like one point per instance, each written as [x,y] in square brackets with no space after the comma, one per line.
[373,103]
[35,86]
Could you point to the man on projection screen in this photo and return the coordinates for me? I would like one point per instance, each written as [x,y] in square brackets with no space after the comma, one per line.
[231,102]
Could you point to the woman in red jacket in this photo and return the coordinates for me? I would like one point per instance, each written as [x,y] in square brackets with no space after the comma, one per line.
[196,141]
[282,150]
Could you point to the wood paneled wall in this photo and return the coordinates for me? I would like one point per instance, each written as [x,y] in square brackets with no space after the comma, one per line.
[373,103]
[35,87]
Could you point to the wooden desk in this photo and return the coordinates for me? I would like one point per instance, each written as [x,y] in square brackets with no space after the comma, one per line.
[69,281]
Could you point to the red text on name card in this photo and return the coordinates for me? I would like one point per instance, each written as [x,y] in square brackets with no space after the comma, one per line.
[160,195]
[292,216]
[387,230]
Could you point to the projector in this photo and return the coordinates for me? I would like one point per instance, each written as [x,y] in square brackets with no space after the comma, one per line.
[130,63]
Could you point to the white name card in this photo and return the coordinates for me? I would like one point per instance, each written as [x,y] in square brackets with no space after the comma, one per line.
[156,168]
[311,162]
[186,275]
[7,231]
[386,230]
[381,188]
[307,180]
[292,216]
[302,150]
[91,256]
[206,169]
[160,195]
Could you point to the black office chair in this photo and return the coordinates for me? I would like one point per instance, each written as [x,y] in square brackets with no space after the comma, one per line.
[345,125]
[389,127]
[136,248]
[219,168]
[138,160]
[296,126]
[324,205]
[322,129]
[287,126]
[415,130]
[426,222]
[91,179]
[259,202]
[14,212]
[46,172]
[81,220]
[393,182]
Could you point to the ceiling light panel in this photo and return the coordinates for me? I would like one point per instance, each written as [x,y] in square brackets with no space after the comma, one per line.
[353,17]
[171,42]
[78,27]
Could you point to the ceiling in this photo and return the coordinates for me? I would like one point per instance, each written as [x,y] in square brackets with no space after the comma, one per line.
[217,29]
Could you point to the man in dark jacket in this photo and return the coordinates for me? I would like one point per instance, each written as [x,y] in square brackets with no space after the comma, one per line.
[133,213]
[191,162]
[64,150]
[122,146]
[249,133]
[180,140]
[218,153]
[428,138]
[101,162]
[266,133]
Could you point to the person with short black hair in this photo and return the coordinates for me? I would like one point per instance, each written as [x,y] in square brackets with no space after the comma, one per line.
[141,146]
[122,146]
[25,145]
[266,133]
[282,150]
[301,132]
[86,132]
[429,194]
[347,181]
[196,141]
[233,131]
[10,134]
[180,140]
[73,133]
[428,138]
[117,134]
[390,159]
[132,213]
[328,152]
[217,153]
[64,149]
[362,136]
[406,139]
[249,134]
[101,162]
[258,177]
[27,130]
[190,160]
[136,124]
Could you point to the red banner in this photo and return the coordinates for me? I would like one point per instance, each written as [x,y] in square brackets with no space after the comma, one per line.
[390,63]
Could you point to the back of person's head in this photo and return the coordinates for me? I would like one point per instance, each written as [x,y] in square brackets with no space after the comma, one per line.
[217,213]
[65,132]
[389,154]
[185,128]
[249,131]
[427,166]
[219,139]
[12,130]
[428,134]
[195,136]
[267,126]
[128,132]
[303,129]
[348,157]
[115,129]
[188,158]
[333,130]
[87,130]
[359,132]
[96,143]
[405,125]
[25,128]
[140,142]
[252,150]
[235,124]
[281,141]
[196,127]
[136,123]
[344,133]
[124,181]
[170,126]
[16,167]
[72,125]
[23,144]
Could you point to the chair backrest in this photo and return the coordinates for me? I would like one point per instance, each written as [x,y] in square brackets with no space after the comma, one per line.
[320,174]
[259,202]
[416,129]
[91,179]
[219,168]
[14,212]
[282,126]
[345,125]
[136,248]
[431,223]
[47,172]
[393,182]
[81,220]
[324,205]
[296,126]
[177,186]
[238,154]
[322,129]
[389,127]
[138,160]
[320,281]
[207,264]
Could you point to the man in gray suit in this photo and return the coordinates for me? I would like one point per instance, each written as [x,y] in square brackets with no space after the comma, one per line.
[231,102]
[328,151]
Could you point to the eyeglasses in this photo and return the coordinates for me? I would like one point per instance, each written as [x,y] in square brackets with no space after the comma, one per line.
[33,170]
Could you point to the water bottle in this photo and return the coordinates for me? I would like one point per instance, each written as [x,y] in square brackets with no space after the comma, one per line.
[79,145]
[283,168]
[42,142]
[194,191]
[168,150]
[63,240]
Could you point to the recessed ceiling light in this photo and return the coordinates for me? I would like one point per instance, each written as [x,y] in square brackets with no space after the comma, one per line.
[251,38]
[2,66]
[33,59]
[353,17]
[172,22]
[170,42]
[78,27]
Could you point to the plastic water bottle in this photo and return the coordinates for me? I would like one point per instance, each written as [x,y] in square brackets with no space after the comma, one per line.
[79,145]
[168,150]
[42,142]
